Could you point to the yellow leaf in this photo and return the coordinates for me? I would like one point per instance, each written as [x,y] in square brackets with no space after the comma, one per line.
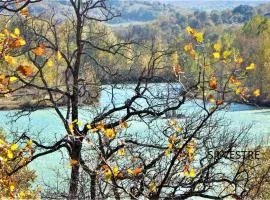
[190,150]
[237,83]
[192,173]
[188,47]
[216,55]
[121,152]
[189,30]
[22,42]
[115,171]
[108,175]
[79,123]
[226,54]
[152,187]
[110,133]
[167,152]
[251,66]
[88,126]
[49,63]
[59,55]
[238,90]
[179,129]
[107,172]
[13,147]
[198,37]
[17,32]
[257,92]
[22,194]
[12,78]
[2,36]
[170,146]
[11,187]
[2,142]
[10,154]
[29,143]
[70,126]
[129,171]
[13,36]
[217,46]
[9,59]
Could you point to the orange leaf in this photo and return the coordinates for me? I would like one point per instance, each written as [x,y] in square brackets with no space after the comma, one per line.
[137,171]
[193,53]
[177,70]
[39,51]
[25,70]
[212,83]
[18,43]
[123,124]
[239,60]
[73,162]
[172,139]
[3,80]
[219,102]
[24,11]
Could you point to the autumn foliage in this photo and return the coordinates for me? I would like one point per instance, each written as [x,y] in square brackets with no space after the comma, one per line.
[155,163]
[18,185]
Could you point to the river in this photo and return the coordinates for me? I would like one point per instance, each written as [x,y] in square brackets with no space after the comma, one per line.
[45,124]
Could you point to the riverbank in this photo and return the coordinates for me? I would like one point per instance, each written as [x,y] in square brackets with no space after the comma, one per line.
[10,103]
[30,101]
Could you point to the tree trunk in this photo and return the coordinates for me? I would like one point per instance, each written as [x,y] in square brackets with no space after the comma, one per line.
[74,179]
[93,186]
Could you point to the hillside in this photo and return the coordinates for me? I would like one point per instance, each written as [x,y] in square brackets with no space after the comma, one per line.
[138,11]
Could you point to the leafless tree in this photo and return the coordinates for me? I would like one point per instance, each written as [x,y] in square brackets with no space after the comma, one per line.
[160,155]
